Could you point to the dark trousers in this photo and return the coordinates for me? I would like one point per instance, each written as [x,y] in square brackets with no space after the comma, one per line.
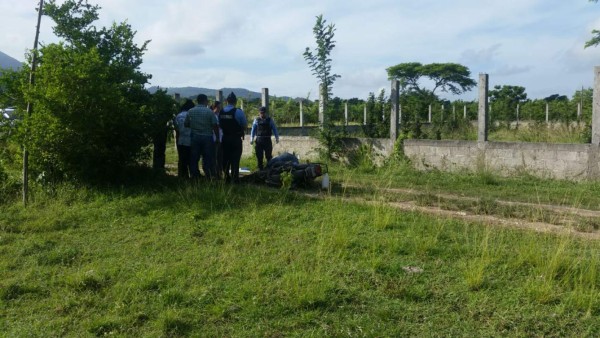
[232,153]
[263,148]
[202,146]
[159,141]
[219,159]
[183,162]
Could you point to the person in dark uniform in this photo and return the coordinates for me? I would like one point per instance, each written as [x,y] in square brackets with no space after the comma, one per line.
[233,122]
[216,108]
[262,129]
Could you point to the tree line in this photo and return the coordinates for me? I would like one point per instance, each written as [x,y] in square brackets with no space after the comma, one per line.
[93,118]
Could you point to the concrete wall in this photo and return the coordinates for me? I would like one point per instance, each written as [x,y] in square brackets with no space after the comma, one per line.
[546,160]
[306,147]
[303,146]
[557,161]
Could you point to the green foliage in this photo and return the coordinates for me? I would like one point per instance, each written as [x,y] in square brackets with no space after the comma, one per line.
[12,85]
[448,77]
[318,60]
[378,115]
[9,186]
[595,40]
[92,116]
[504,100]
[286,180]
[320,64]
[362,158]
[331,139]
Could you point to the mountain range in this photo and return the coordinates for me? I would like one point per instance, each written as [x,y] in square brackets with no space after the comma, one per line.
[192,92]
[7,62]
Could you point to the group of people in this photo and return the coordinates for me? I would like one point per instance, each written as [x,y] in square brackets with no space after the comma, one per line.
[215,134]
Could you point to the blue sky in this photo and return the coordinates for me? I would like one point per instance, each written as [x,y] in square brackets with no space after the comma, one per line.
[537,44]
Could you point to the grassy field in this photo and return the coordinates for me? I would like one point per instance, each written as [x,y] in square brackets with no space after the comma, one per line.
[161,257]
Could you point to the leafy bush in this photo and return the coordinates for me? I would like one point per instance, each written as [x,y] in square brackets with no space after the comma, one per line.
[92,116]
[9,187]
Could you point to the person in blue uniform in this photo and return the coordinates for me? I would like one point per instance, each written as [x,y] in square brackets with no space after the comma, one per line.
[233,122]
[263,128]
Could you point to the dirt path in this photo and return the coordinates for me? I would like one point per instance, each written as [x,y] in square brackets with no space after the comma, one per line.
[495,220]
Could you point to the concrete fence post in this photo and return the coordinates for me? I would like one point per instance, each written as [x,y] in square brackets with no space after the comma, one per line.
[400,114]
[578,110]
[465,112]
[346,113]
[365,115]
[483,113]
[301,115]
[264,99]
[518,106]
[429,115]
[596,108]
[395,99]
[219,97]
[442,112]
[547,113]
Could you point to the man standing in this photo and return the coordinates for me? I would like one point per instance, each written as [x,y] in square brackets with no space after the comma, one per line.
[216,108]
[203,123]
[183,135]
[262,128]
[233,122]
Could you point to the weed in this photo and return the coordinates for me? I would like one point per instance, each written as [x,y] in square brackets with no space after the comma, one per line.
[173,324]
[104,327]
[13,291]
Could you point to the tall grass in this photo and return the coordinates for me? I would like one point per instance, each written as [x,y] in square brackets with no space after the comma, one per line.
[163,257]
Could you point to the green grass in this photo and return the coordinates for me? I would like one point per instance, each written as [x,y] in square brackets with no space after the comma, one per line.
[541,132]
[480,185]
[168,258]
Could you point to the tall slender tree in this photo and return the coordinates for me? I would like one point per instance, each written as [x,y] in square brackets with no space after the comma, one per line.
[319,60]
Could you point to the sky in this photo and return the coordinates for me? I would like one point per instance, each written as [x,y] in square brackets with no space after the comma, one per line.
[537,44]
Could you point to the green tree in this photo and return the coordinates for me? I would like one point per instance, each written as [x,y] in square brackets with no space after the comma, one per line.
[415,98]
[448,77]
[504,100]
[595,40]
[320,64]
[89,120]
[377,119]
[319,60]
[585,98]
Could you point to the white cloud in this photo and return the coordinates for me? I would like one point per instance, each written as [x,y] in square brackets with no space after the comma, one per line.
[234,43]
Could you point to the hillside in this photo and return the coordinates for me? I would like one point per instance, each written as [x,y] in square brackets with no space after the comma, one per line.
[192,92]
[9,62]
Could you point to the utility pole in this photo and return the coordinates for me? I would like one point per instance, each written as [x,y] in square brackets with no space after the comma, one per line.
[30,105]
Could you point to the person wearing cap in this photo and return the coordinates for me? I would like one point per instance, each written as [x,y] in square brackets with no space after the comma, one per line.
[203,123]
[262,129]
[233,122]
